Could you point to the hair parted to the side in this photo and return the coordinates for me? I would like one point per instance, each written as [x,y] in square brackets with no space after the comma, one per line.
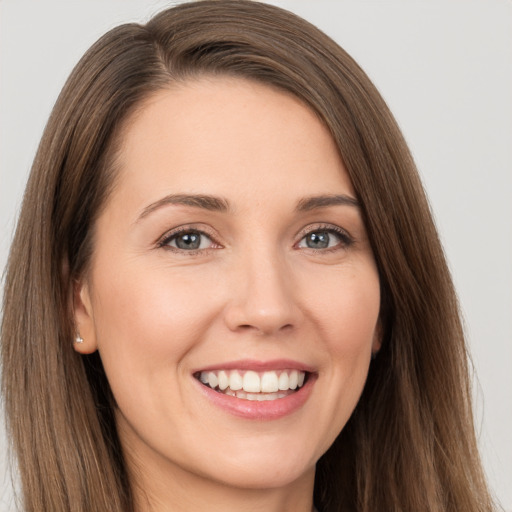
[410,444]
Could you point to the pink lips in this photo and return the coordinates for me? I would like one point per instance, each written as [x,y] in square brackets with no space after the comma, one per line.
[259,366]
[264,410]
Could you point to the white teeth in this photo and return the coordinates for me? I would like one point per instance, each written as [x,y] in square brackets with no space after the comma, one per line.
[235,381]
[262,397]
[269,382]
[284,382]
[252,385]
[213,380]
[294,379]
[223,380]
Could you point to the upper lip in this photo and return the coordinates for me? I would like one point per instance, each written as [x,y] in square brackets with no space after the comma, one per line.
[258,365]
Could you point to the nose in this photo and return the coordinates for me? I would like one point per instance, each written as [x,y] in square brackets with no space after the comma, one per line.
[263,296]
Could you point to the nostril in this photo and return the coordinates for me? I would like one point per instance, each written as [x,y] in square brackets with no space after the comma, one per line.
[264,330]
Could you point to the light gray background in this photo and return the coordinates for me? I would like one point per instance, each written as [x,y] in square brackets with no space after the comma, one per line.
[445,68]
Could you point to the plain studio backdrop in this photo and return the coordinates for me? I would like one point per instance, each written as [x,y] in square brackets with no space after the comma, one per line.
[445,69]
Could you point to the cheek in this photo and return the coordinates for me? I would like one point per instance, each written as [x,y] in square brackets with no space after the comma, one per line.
[348,310]
[346,315]
[147,318]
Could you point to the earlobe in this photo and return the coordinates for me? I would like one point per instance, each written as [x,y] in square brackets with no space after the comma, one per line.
[84,340]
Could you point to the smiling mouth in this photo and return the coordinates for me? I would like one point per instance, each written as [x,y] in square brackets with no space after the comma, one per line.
[251,385]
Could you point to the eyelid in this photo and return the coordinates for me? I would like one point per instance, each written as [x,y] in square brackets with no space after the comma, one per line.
[163,241]
[346,238]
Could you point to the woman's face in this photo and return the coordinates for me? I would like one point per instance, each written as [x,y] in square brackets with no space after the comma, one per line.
[232,293]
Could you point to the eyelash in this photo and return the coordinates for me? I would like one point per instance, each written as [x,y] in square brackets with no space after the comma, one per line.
[346,239]
[166,239]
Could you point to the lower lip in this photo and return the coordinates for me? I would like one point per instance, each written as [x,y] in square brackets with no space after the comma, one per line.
[265,410]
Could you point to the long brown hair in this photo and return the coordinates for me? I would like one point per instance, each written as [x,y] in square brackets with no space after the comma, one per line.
[410,443]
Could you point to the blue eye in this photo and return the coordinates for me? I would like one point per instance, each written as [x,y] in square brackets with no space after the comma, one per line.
[188,241]
[324,239]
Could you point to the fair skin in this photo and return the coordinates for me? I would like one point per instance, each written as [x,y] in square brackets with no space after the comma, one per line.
[214,255]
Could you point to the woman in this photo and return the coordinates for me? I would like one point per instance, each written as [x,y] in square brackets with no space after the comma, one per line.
[223,226]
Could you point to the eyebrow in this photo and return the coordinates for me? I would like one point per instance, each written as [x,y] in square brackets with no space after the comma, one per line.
[219,204]
[312,203]
[211,203]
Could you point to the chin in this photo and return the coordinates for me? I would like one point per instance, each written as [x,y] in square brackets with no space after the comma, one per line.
[274,474]
[265,463]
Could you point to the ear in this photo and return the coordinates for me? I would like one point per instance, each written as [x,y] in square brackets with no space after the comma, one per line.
[84,318]
[377,338]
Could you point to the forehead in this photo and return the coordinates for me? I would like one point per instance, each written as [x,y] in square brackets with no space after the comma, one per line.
[223,134]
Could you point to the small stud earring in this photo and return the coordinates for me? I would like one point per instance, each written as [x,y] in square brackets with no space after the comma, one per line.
[78,338]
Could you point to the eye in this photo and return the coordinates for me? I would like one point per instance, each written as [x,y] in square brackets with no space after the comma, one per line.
[187,240]
[325,238]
